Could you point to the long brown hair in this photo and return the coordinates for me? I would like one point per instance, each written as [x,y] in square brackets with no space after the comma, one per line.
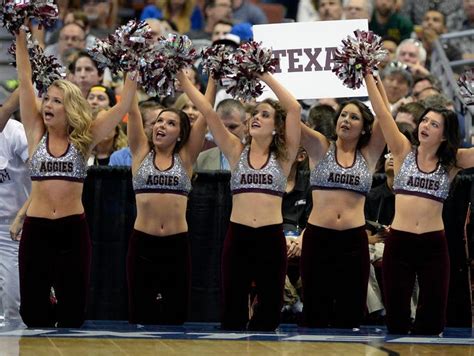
[367,121]
[278,144]
[184,128]
[447,150]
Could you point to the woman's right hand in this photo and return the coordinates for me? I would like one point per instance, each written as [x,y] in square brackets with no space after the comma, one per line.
[16,227]
[294,249]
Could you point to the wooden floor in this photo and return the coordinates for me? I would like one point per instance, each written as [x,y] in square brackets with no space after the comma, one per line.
[119,338]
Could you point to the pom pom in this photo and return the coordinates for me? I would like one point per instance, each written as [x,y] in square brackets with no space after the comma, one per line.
[217,61]
[163,63]
[256,58]
[466,86]
[15,13]
[45,11]
[124,50]
[357,57]
[45,69]
[243,86]
[250,58]
[156,81]
[178,51]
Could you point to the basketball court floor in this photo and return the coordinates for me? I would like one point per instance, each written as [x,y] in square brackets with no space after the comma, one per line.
[119,338]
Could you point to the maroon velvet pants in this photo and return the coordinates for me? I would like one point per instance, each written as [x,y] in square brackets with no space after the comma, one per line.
[405,257]
[54,254]
[334,271]
[158,275]
[253,255]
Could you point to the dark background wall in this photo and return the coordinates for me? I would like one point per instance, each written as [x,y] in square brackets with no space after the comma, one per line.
[110,207]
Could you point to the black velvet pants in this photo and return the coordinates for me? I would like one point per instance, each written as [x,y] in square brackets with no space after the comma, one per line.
[335,272]
[407,256]
[158,275]
[253,255]
[54,255]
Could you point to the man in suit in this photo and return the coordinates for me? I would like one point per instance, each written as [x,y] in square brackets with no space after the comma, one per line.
[232,114]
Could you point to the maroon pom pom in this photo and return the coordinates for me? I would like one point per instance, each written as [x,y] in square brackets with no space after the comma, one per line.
[45,11]
[250,58]
[256,58]
[15,13]
[179,52]
[357,57]
[45,69]
[124,50]
[163,62]
[217,61]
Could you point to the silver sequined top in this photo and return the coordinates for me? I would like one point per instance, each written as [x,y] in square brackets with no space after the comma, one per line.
[71,165]
[411,180]
[150,179]
[329,174]
[269,179]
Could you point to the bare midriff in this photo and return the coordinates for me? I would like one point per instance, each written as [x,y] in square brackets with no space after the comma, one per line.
[161,214]
[54,199]
[337,209]
[256,209]
[417,214]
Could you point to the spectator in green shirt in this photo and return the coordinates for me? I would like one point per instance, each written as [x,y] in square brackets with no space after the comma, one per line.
[386,21]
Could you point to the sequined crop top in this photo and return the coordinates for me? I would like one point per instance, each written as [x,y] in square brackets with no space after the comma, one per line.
[412,181]
[269,179]
[69,166]
[329,174]
[150,179]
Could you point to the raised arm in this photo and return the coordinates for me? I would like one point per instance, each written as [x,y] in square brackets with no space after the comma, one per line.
[377,143]
[211,91]
[137,140]
[8,108]
[229,144]
[198,130]
[382,92]
[314,142]
[293,114]
[107,120]
[30,115]
[396,141]
[38,33]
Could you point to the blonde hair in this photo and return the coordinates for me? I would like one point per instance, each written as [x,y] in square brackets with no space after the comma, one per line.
[78,115]
[120,139]
[181,102]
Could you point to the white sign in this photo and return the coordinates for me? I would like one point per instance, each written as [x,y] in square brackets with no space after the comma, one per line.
[305,51]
